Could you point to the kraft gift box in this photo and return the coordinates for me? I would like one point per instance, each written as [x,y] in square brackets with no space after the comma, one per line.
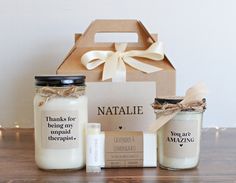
[120,105]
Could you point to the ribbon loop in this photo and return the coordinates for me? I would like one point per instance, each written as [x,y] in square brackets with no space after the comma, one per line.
[114,62]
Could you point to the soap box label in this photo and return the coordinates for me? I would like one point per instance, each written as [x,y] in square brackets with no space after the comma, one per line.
[121,106]
[181,138]
[123,149]
[60,129]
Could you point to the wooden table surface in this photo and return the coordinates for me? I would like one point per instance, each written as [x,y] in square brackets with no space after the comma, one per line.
[217,162]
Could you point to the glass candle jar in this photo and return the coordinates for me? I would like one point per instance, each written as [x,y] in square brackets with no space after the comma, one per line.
[178,141]
[60,118]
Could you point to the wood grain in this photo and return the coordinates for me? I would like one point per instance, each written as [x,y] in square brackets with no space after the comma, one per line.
[217,162]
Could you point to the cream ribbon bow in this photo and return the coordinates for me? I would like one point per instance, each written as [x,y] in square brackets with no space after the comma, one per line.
[114,62]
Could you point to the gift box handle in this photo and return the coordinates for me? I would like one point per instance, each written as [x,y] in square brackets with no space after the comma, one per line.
[115,26]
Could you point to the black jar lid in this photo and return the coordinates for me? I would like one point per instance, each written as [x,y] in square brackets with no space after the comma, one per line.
[168,100]
[59,81]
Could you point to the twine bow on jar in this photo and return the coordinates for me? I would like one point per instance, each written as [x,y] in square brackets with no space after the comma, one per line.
[166,108]
[194,100]
[50,92]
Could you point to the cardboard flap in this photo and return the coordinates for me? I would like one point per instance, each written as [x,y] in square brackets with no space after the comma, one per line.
[116,26]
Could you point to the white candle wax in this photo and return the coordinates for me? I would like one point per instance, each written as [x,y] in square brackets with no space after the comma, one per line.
[178,141]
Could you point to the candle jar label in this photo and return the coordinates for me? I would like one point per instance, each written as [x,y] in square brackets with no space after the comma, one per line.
[60,129]
[181,138]
[123,150]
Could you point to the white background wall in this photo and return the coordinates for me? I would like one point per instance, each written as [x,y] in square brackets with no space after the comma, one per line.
[199,39]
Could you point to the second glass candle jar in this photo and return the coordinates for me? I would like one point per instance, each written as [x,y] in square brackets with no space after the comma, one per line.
[178,141]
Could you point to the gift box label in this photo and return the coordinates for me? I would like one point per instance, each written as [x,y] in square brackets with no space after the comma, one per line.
[121,106]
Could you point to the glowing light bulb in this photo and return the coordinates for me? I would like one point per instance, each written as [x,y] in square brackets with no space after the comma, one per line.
[17,126]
